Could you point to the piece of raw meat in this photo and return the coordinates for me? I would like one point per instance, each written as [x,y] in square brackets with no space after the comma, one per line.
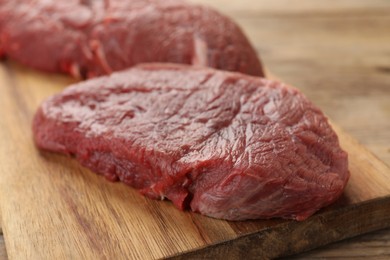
[87,38]
[224,144]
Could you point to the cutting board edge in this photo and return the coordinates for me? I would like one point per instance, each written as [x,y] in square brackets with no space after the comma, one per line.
[244,246]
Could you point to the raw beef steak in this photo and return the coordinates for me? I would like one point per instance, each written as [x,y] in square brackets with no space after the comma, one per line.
[224,144]
[87,38]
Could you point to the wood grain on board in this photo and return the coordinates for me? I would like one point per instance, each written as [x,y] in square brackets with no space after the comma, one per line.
[344,41]
[3,252]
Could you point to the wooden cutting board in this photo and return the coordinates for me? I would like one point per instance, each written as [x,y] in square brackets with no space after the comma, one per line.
[52,208]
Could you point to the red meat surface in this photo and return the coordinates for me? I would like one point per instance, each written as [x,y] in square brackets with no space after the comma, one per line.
[224,144]
[87,38]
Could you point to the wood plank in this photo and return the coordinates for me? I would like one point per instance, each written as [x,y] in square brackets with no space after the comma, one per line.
[3,251]
[291,237]
[375,245]
[61,201]
[301,7]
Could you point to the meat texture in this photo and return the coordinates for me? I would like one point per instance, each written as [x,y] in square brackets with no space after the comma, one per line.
[224,144]
[87,38]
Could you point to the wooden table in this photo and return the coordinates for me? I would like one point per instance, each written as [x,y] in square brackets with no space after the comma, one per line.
[338,54]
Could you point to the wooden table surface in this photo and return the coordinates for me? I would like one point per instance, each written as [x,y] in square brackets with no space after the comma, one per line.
[338,53]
